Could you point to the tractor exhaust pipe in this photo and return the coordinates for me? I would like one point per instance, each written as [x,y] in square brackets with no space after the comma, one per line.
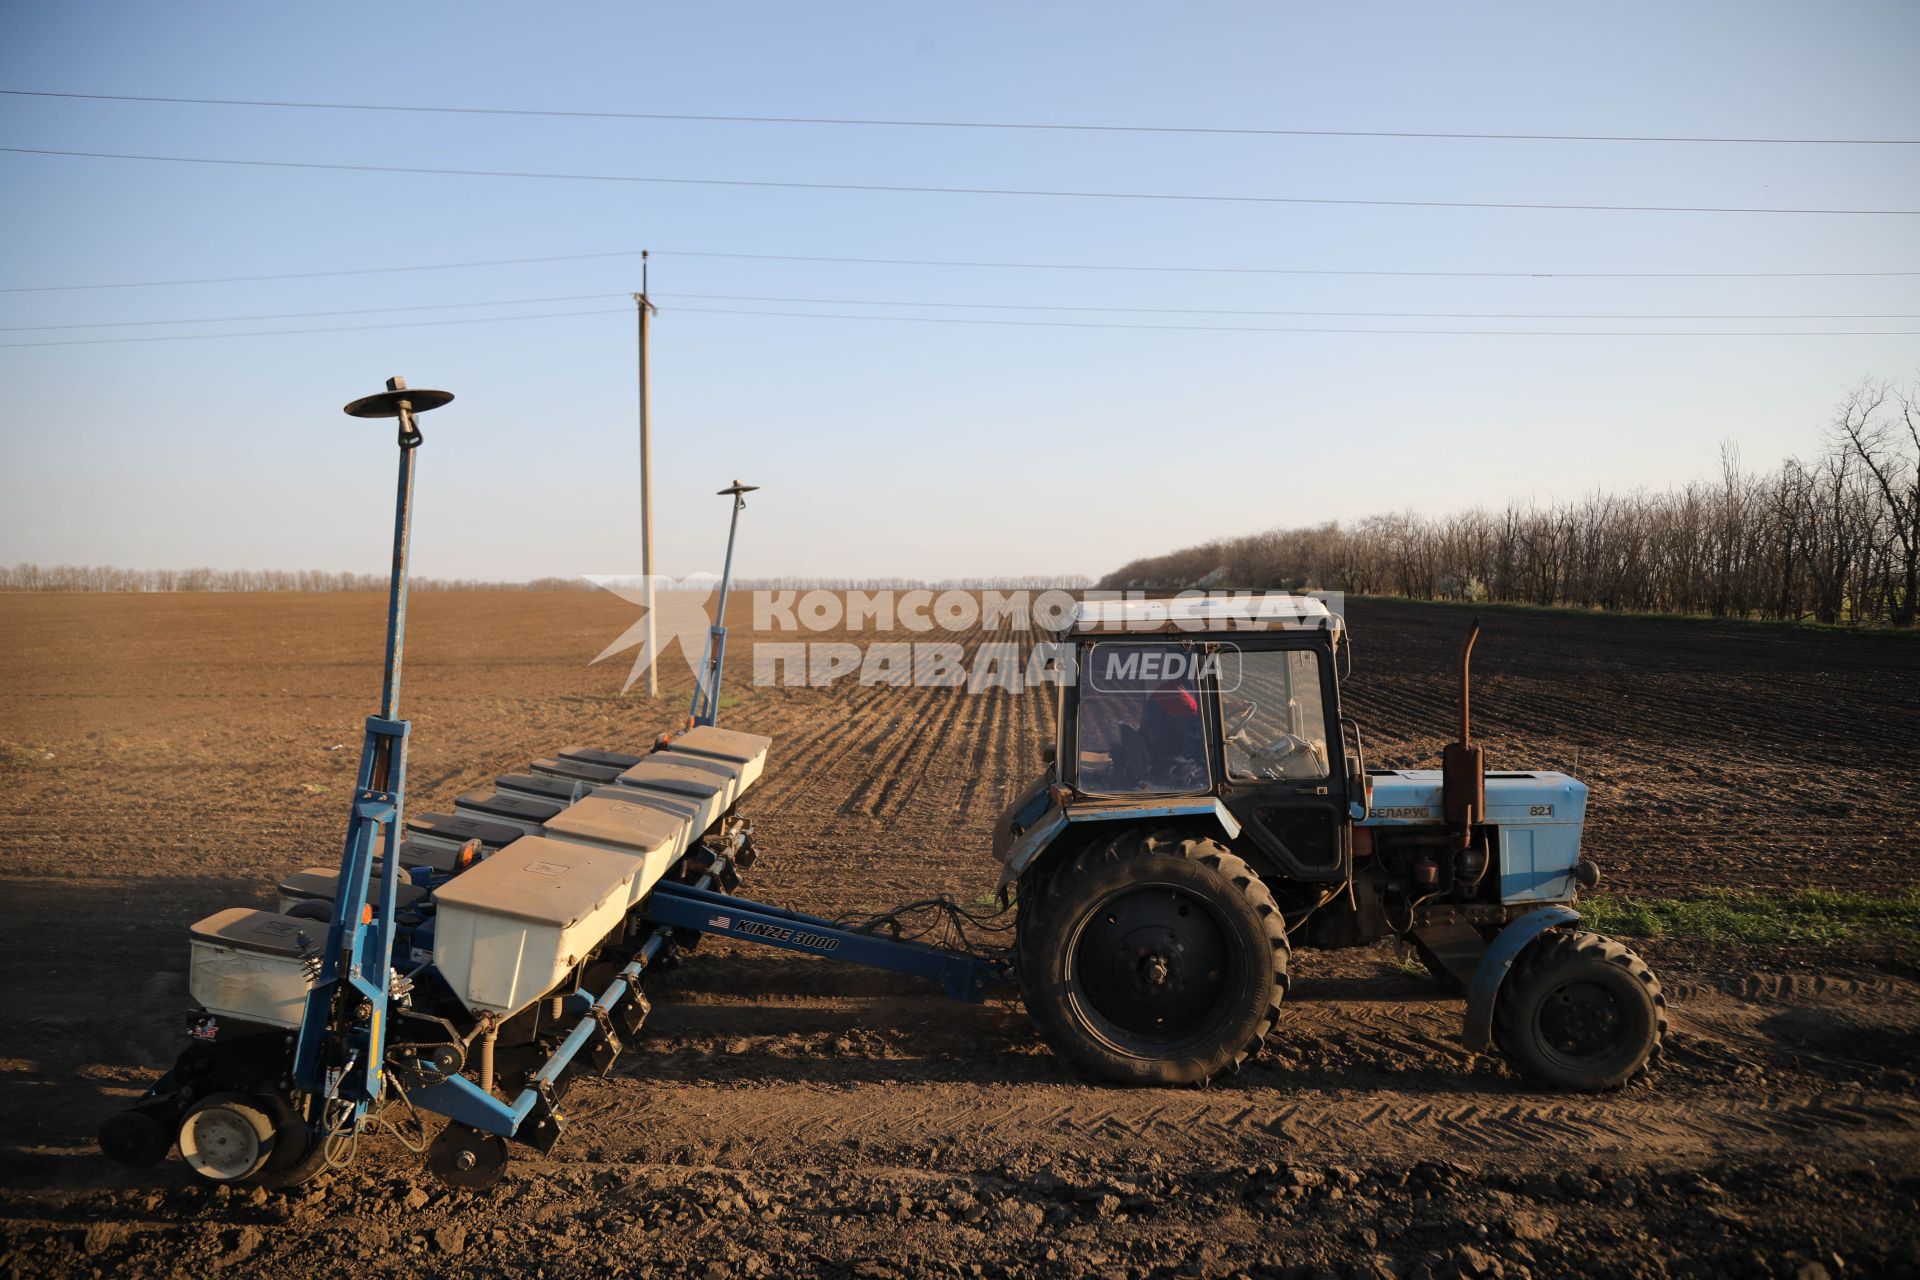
[1463,769]
[1466,685]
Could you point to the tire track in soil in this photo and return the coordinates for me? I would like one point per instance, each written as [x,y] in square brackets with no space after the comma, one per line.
[969,1115]
[1340,1072]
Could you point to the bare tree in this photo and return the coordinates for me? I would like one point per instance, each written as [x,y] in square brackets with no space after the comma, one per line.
[1881,428]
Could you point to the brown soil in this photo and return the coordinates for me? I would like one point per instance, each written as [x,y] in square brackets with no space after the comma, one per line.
[167,756]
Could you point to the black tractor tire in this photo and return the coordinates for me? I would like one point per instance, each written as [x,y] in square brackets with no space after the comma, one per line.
[1029,902]
[1580,1012]
[1154,958]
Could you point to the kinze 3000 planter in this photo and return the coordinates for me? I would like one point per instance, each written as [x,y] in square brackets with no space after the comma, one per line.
[1205,808]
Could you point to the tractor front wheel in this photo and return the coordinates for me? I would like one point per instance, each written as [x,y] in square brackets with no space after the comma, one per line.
[1156,958]
[1581,1012]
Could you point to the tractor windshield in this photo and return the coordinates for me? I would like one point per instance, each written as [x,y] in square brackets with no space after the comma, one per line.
[1138,728]
[1272,716]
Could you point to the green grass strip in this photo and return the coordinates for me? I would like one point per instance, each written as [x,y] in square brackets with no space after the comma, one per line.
[1816,916]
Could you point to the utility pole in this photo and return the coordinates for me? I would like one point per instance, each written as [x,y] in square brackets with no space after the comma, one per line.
[646,483]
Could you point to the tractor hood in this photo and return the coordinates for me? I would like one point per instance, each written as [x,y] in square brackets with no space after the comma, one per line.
[1411,797]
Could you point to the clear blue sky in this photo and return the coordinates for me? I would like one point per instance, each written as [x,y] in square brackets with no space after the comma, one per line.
[901,448]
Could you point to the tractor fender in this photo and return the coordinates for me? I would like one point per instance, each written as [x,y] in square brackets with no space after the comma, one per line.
[1494,966]
[1033,841]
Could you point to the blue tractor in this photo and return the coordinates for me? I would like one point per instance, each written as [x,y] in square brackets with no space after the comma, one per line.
[1207,808]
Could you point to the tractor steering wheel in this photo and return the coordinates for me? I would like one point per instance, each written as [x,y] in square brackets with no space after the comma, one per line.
[1239,718]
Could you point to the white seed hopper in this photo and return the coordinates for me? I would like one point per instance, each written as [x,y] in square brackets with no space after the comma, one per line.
[744,753]
[251,965]
[684,781]
[511,928]
[625,822]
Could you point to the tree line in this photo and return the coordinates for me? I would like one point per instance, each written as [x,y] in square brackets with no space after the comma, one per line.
[72,577]
[67,577]
[1832,538]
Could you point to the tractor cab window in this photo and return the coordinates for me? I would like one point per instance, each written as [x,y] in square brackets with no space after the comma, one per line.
[1138,729]
[1272,716]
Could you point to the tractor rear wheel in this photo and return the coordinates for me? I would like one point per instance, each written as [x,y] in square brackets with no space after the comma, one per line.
[1580,1011]
[1155,958]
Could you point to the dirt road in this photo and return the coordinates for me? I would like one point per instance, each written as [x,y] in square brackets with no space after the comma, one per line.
[167,756]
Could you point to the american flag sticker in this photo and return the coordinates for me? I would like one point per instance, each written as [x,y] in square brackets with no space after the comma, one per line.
[719,922]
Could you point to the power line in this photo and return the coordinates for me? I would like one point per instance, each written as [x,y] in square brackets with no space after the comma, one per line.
[1226,328]
[957,262]
[1234,311]
[762,184]
[314,315]
[1292,271]
[321,275]
[1026,324]
[281,333]
[1002,125]
[968,306]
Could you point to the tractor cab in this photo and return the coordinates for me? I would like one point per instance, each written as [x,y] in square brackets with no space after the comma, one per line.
[1234,699]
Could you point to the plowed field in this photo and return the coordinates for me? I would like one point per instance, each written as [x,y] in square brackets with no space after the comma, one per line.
[167,756]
